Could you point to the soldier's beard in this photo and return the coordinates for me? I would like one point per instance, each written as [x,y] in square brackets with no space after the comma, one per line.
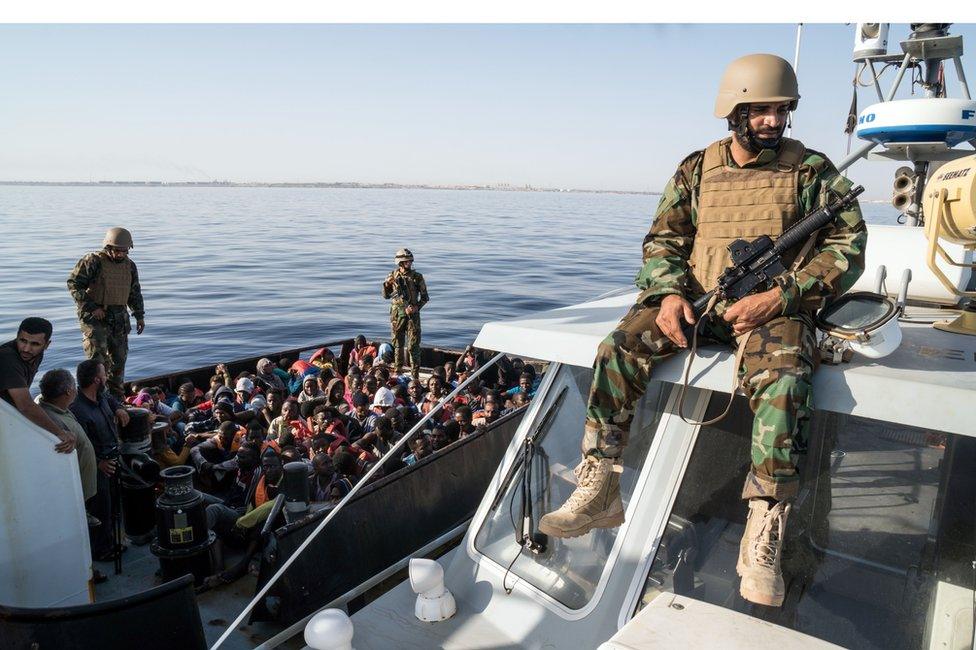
[748,139]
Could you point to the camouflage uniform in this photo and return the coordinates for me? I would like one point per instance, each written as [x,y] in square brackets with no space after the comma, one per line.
[106,339]
[405,288]
[779,359]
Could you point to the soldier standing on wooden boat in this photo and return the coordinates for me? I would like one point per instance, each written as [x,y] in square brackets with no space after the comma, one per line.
[755,182]
[105,286]
[408,292]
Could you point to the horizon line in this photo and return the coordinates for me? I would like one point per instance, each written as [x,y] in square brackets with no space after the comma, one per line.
[494,187]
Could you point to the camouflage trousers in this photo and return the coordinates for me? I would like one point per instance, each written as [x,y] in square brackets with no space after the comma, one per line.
[108,341]
[776,374]
[405,335]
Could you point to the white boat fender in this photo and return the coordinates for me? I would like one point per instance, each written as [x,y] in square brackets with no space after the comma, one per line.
[867,322]
[330,629]
[434,602]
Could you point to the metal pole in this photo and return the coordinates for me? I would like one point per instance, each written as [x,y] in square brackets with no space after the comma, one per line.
[877,84]
[796,69]
[962,77]
[901,73]
[856,155]
[355,489]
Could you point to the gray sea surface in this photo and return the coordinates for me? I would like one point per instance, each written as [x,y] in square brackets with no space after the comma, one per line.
[233,272]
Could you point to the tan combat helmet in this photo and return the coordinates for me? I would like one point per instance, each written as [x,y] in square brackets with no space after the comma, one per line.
[756,78]
[118,237]
[403,255]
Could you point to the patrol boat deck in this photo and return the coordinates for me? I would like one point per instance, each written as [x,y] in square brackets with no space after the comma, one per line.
[880,547]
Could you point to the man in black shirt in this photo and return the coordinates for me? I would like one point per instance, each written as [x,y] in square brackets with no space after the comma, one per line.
[19,361]
[100,415]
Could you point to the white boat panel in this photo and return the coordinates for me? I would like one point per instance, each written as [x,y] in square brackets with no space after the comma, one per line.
[930,381]
[672,621]
[899,248]
[45,559]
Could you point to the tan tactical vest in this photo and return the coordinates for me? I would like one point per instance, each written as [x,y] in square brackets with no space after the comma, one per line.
[742,203]
[407,281]
[111,287]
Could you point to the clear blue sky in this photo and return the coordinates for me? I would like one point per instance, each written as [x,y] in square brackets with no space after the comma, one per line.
[601,106]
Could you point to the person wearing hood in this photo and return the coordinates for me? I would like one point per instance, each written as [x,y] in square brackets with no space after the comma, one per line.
[310,389]
[266,377]
[335,395]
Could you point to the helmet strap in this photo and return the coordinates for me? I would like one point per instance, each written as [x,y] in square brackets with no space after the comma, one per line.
[746,137]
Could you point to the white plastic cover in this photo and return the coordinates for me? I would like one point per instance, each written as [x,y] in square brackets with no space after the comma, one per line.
[45,559]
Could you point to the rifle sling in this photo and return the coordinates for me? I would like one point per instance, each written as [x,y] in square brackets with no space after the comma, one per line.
[739,350]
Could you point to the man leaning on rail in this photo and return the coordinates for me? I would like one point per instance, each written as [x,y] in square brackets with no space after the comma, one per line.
[754,182]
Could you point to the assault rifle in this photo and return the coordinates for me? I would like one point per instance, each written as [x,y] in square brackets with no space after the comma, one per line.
[756,263]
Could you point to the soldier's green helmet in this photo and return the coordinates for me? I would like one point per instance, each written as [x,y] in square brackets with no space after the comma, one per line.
[754,79]
[118,237]
[403,255]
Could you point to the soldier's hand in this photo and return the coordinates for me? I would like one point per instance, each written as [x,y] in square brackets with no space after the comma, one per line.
[107,467]
[754,311]
[68,442]
[410,309]
[98,314]
[140,326]
[675,311]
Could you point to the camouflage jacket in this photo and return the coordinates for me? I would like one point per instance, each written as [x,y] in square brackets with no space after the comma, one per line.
[84,274]
[410,283]
[833,266]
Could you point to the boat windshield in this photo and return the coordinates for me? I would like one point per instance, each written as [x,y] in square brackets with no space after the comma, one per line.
[880,544]
[568,570]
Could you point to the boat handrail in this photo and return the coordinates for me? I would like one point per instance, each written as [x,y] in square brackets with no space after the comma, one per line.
[355,489]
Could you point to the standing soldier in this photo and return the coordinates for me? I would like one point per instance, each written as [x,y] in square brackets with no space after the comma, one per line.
[754,182]
[105,285]
[409,293]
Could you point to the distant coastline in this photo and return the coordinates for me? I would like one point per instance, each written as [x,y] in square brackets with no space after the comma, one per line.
[354,186]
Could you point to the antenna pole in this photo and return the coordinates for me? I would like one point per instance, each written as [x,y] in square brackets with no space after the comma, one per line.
[796,69]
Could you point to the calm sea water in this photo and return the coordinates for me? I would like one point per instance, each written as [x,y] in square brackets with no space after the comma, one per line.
[233,272]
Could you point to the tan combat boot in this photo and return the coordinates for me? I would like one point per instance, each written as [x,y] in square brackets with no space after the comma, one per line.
[761,552]
[595,503]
